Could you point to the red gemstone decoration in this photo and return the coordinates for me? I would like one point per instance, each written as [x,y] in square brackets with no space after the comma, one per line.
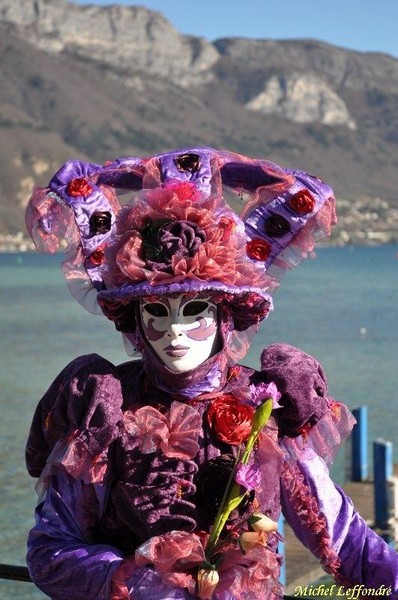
[79,187]
[258,249]
[97,257]
[302,202]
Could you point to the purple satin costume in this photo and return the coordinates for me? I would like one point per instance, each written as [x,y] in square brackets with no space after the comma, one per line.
[86,524]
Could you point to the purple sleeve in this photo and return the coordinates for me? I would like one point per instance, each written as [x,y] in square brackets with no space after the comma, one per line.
[65,564]
[364,557]
[62,562]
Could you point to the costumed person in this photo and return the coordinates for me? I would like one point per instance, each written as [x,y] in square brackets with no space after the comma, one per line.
[164,477]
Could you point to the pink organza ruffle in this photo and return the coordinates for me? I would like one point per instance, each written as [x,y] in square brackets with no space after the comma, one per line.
[119,589]
[251,575]
[301,246]
[325,437]
[175,433]
[307,510]
[72,454]
[178,555]
[50,222]
[173,555]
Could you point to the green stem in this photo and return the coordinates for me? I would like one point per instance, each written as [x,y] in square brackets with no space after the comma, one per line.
[233,493]
[219,521]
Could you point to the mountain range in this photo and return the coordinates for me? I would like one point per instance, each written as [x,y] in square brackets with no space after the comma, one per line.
[97,83]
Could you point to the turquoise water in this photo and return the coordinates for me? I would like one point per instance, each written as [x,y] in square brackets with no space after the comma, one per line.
[341,307]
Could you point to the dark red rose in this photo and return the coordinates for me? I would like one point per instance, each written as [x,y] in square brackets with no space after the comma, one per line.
[179,237]
[258,249]
[164,239]
[100,222]
[302,202]
[229,420]
[276,226]
[79,187]
[188,162]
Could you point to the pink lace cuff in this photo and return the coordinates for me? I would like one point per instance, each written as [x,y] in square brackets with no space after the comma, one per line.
[75,458]
[306,508]
[325,437]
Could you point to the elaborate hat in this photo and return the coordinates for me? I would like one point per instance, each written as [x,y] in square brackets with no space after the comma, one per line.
[178,234]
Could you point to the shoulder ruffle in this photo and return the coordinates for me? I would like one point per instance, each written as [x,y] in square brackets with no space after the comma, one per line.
[76,420]
[309,417]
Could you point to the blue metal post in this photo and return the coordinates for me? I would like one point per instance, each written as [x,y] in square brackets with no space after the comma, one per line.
[360,445]
[281,550]
[383,470]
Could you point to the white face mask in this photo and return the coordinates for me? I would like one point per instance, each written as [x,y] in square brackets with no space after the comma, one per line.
[182,331]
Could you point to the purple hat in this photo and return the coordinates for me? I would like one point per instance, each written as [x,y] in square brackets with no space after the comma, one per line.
[178,234]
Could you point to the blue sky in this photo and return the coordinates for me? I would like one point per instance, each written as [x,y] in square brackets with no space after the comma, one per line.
[365,25]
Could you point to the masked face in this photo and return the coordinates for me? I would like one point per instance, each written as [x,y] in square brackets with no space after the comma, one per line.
[182,331]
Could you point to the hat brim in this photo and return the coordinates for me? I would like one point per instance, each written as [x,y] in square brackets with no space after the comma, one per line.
[248,305]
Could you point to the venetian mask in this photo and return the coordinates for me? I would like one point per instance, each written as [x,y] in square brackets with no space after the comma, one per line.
[182,330]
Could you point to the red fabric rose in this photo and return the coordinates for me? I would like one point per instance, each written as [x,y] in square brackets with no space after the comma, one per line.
[302,202]
[79,187]
[229,420]
[258,249]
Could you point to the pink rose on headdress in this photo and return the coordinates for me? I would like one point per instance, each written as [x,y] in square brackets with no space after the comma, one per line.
[173,233]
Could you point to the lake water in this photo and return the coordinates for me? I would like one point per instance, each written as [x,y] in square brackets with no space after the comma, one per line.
[341,307]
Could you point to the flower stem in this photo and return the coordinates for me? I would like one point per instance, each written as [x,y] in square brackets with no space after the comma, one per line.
[233,495]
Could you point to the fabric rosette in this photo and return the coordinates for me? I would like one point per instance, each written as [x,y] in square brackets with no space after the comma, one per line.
[176,556]
[174,233]
[175,433]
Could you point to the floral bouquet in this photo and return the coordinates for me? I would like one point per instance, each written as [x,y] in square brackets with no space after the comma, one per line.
[235,554]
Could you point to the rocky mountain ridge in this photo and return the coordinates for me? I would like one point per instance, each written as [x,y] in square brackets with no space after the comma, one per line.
[99,82]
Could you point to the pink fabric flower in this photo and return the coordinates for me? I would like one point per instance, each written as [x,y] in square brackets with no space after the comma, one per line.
[173,555]
[175,433]
[254,574]
[217,251]
[147,424]
[248,476]
[184,424]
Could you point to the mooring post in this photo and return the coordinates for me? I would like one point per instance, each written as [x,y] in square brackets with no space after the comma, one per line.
[281,549]
[383,472]
[359,471]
